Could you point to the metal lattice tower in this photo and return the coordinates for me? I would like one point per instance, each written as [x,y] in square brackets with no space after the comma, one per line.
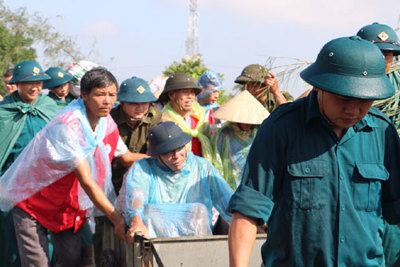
[192,41]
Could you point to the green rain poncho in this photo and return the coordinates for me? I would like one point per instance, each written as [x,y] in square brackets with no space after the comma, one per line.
[13,113]
[231,146]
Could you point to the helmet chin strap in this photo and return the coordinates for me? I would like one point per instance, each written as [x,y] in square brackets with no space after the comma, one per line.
[322,109]
[176,102]
[163,163]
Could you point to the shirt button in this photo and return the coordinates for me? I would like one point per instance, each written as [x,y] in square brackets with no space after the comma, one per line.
[342,239]
[307,170]
[340,178]
[343,208]
[78,218]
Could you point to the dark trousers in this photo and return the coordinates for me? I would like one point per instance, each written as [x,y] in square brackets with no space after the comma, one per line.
[33,244]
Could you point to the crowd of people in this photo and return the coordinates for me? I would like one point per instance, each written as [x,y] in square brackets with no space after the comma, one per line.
[319,175]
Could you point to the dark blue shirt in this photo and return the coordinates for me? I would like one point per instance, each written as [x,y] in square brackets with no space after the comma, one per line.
[321,196]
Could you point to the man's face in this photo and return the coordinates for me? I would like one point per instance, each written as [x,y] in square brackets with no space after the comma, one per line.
[183,98]
[257,90]
[29,91]
[62,90]
[135,111]
[342,112]
[211,98]
[253,88]
[388,60]
[9,87]
[174,160]
[100,101]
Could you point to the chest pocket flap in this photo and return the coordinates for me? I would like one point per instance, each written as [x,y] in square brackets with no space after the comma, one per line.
[372,171]
[312,168]
[366,185]
[306,183]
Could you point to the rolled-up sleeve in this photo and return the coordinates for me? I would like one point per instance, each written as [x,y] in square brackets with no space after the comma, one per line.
[262,175]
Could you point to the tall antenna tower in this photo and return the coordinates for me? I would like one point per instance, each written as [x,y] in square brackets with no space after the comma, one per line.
[192,41]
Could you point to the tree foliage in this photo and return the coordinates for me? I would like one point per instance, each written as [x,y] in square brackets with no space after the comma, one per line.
[193,66]
[223,97]
[21,31]
[14,48]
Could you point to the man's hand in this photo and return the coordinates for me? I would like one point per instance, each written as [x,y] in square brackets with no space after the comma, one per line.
[119,225]
[129,158]
[272,82]
[99,198]
[136,226]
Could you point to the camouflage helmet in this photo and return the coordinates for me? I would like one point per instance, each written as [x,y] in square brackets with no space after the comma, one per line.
[381,35]
[179,81]
[252,73]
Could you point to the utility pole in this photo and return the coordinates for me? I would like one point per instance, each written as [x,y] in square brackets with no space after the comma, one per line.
[192,41]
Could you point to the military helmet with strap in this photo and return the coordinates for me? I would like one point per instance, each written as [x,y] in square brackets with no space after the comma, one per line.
[381,35]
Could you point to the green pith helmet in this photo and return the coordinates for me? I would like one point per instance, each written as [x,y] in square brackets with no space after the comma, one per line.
[58,77]
[252,73]
[382,35]
[28,71]
[135,90]
[179,81]
[352,67]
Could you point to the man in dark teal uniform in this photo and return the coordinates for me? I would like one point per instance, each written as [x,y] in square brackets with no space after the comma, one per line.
[331,170]
[135,116]
[22,114]
[59,86]
[386,39]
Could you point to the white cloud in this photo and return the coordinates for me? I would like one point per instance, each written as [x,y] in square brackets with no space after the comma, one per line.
[101,29]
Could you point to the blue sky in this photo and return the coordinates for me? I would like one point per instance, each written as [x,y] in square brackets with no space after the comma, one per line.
[140,38]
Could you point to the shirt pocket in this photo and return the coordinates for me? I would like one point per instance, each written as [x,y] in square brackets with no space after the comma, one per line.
[367,186]
[305,183]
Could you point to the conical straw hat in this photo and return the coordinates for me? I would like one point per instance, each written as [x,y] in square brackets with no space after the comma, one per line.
[243,108]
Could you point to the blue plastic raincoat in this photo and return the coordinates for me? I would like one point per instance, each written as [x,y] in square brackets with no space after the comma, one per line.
[150,183]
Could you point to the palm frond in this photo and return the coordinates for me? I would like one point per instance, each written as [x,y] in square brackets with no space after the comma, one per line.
[287,70]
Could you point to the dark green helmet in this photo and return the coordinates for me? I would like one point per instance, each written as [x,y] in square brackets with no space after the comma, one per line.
[352,67]
[179,81]
[382,35]
[135,90]
[28,71]
[58,77]
[252,73]
[166,137]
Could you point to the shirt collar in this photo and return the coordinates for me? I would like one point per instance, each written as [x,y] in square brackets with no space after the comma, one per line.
[313,113]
